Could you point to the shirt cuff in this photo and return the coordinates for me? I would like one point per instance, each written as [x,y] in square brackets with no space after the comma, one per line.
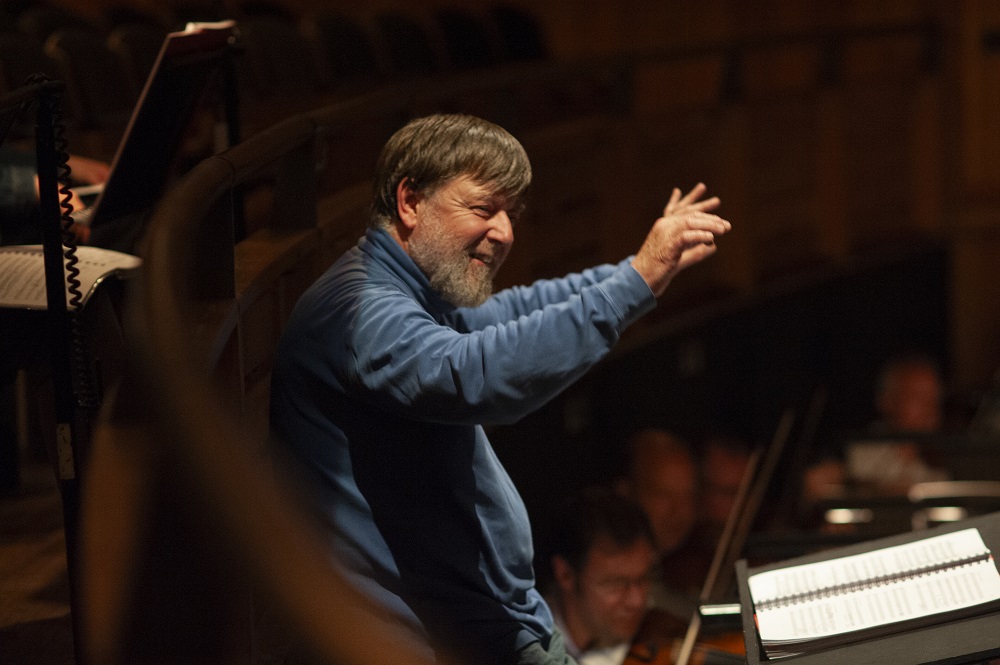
[629,294]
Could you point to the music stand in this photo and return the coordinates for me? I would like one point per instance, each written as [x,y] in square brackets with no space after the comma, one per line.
[966,640]
[48,148]
[189,62]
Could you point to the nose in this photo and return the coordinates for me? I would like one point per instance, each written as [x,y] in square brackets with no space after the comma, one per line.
[501,228]
[637,594]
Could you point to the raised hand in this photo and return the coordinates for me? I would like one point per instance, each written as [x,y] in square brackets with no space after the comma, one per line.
[683,236]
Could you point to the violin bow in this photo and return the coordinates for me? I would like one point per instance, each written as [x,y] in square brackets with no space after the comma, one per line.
[749,496]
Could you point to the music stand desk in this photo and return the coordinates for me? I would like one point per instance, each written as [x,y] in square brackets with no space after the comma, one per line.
[966,640]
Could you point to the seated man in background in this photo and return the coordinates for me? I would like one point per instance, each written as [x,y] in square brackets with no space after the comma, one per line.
[722,463]
[662,478]
[909,400]
[602,555]
[19,221]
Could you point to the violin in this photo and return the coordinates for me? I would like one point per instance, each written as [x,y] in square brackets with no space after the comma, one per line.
[660,640]
[700,655]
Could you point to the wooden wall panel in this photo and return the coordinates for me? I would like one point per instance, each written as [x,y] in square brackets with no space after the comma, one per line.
[975,306]
[805,168]
[974,187]
[977,68]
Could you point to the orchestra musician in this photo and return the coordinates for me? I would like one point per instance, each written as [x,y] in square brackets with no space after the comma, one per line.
[602,556]
[722,461]
[392,361]
[19,221]
[662,479]
[908,399]
[685,501]
[602,564]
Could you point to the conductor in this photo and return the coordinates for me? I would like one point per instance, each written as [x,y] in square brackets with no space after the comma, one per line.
[394,359]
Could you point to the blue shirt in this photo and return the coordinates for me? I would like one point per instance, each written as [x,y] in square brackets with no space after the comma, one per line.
[380,391]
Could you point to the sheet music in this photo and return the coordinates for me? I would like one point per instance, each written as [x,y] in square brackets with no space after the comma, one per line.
[933,576]
[22,273]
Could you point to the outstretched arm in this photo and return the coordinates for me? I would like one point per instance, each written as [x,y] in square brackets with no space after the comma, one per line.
[683,236]
[88,171]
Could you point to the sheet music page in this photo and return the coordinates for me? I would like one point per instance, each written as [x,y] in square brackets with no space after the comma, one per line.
[939,592]
[794,581]
[22,273]
[917,579]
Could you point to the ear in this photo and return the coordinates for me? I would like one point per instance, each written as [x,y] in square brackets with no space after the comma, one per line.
[407,201]
[563,574]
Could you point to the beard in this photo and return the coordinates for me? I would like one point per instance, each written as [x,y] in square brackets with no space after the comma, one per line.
[450,267]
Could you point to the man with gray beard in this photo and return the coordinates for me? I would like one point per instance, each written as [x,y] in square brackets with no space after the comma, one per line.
[395,358]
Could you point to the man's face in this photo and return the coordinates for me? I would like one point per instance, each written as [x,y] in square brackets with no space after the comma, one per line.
[912,402]
[462,236]
[609,594]
[666,490]
[722,472]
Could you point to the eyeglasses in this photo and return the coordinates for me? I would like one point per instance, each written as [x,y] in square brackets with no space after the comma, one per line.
[619,586]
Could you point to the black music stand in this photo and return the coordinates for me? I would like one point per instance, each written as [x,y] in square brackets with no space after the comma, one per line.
[58,320]
[968,640]
[190,62]
[13,106]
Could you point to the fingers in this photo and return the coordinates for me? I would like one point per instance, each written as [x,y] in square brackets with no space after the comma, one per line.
[696,193]
[695,254]
[695,237]
[707,204]
[675,196]
[699,220]
[690,201]
[684,235]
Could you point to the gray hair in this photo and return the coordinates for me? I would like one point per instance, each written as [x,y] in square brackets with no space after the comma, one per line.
[431,151]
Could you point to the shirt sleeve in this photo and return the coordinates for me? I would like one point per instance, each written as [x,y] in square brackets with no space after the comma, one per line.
[511,303]
[405,361]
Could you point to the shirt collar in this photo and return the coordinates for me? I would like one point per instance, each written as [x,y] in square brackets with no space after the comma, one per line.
[385,249]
